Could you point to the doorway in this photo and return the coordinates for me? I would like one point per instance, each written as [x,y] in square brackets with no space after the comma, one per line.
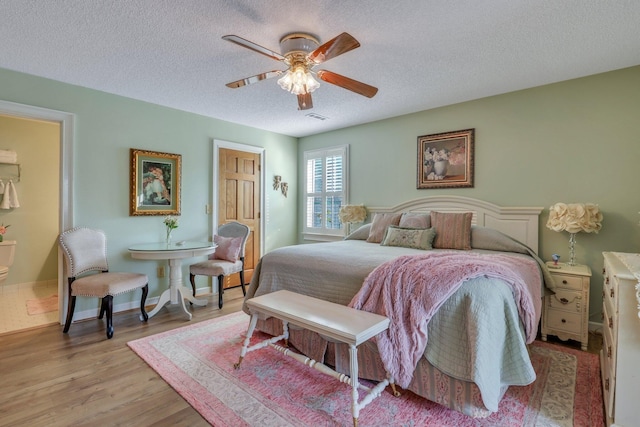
[238,195]
[63,123]
[29,211]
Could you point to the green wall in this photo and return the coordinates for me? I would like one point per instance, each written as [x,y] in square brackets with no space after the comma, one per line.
[574,141]
[107,126]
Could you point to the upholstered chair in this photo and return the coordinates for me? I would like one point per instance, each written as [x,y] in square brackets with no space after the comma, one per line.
[85,253]
[227,259]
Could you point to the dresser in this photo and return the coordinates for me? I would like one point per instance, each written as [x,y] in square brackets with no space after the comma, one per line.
[620,355]
[566,313]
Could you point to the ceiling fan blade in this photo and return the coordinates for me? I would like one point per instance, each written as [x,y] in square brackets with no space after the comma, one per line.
[334,47]
[305,102]
[347,83]
[254,47]
[254,79]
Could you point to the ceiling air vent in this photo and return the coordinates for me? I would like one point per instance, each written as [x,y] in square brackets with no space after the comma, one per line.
[316,116]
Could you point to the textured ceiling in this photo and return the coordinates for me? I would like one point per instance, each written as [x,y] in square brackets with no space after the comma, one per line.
[421,54]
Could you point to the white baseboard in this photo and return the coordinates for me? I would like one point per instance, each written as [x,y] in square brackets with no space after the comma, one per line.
[131,305]
[595,327]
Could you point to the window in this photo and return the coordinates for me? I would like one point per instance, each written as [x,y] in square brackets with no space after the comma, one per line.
[326,183]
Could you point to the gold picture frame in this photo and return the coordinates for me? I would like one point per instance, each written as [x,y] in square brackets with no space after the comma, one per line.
[155,183]
[445,160]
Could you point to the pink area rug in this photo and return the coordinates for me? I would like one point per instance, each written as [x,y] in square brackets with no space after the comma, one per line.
[271,389]
[42,305]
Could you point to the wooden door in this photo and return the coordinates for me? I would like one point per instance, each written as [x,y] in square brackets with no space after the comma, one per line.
[239,200]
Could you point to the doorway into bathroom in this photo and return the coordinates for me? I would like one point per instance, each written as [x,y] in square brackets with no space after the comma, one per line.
[29,295]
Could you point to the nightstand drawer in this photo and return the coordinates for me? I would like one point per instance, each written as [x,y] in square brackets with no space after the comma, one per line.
[567,281]
[565,313]
[564,321]
[566,300]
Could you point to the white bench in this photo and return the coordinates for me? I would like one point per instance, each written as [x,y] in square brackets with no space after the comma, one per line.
[333,321]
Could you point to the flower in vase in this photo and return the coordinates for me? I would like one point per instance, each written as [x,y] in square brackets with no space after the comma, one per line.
[3,229]
[171,223]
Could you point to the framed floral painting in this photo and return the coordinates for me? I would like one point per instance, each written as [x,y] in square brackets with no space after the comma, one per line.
[445,160]
[155,183]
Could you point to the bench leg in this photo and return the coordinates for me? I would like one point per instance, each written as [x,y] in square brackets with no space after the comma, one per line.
[396,393]
[285,332]
[247,339]
[353,363]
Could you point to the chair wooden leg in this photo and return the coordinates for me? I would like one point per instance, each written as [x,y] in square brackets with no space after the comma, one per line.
[145,292]
[107,304]
[220,290]
[192,279]
[244,291]
[70,308]
[102,309]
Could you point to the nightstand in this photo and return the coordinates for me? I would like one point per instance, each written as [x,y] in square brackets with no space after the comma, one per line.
[566,313]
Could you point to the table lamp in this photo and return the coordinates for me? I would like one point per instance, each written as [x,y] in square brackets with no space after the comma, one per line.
[350,214]
[574,218]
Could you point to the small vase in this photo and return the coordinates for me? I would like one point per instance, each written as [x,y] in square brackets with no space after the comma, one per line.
[169,230]
[1,237]
[440,168]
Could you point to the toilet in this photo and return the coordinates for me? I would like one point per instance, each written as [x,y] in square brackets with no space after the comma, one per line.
[7,251]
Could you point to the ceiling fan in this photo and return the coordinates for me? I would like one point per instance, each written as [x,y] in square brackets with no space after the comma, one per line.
[301,53]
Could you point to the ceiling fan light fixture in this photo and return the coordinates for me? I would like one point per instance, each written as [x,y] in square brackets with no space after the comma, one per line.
[301,52]
[298,81]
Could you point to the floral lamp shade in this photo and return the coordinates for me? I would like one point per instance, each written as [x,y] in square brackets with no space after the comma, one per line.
[574,218]
[350,214]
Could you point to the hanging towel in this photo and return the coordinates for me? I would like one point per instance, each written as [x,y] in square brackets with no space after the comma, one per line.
[10,199]
[1,186]
[13,200]
[5,199]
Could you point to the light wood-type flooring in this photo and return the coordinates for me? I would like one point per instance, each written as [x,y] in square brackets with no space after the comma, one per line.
[49,379]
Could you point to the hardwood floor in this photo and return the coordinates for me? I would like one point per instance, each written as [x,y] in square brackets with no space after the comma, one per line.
[48,378]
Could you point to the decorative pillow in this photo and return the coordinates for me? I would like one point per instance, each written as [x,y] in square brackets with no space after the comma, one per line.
[228,248]
[453,230]
[416,238]
[360,234]
[415,220]
[379,225]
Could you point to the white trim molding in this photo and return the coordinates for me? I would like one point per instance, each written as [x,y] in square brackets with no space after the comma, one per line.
[66,121]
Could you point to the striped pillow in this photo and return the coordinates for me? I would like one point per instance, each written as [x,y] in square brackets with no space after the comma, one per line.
[453,230]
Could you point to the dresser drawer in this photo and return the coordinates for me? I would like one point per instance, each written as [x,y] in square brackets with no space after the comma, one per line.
[610,287]
[610,349]
[608,385]
[609,322]
[566,300]
[567,281]
[564,321]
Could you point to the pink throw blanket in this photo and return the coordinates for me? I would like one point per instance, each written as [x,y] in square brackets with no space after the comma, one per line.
[410,289]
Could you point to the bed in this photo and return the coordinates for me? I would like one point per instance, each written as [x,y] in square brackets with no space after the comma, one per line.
[468,344]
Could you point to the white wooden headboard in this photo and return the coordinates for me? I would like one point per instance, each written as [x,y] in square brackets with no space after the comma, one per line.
[521,223]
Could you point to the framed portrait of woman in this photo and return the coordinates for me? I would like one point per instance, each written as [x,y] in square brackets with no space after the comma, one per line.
[155,183]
